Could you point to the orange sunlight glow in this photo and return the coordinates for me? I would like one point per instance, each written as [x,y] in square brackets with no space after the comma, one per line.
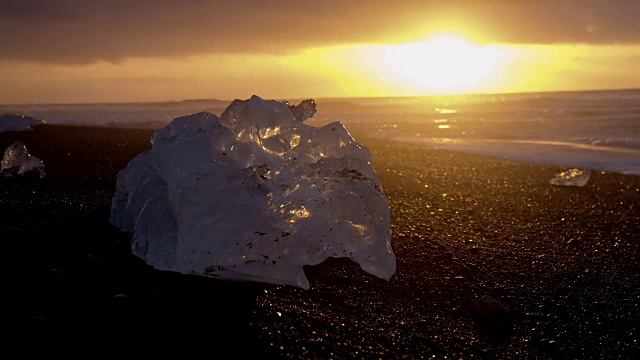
[443,64]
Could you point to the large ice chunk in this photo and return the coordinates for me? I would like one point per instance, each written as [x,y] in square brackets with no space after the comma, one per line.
[254,195]
[18,161]
[11,122]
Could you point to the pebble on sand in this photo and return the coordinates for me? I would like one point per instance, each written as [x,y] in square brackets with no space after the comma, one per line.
[489,307]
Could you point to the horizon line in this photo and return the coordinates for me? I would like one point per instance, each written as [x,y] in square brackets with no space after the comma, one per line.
[326,97]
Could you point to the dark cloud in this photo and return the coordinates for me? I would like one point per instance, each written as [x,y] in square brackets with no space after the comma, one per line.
[69,31]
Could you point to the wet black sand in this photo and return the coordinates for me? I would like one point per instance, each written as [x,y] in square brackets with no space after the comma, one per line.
[564,260]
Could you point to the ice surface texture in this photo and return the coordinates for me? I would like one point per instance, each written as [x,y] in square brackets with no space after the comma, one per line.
[10,122]
[254,195]
[18,161]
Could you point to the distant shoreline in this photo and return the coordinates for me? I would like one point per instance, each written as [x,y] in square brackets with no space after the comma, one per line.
[320,98]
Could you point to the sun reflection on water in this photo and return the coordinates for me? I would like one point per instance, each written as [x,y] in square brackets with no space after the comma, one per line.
[446,111]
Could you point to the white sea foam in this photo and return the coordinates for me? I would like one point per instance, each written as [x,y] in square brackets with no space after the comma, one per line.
[614,159]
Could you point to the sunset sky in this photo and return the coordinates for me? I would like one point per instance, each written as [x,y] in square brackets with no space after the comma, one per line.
[70,51]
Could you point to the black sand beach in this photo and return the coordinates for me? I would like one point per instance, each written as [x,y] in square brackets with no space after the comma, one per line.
[563,260]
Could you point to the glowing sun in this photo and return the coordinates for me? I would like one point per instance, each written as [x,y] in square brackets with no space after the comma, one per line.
[443,63]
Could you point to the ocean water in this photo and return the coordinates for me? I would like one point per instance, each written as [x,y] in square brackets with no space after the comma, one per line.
[598,130]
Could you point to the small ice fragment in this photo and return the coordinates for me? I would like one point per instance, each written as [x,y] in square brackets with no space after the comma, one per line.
[18,161]
[571,177]
[303,111]
[254,195]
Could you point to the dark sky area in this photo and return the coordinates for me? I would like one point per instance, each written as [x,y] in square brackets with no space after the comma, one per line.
[76,31]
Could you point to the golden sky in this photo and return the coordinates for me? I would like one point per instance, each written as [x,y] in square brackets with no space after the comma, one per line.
[120,51]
